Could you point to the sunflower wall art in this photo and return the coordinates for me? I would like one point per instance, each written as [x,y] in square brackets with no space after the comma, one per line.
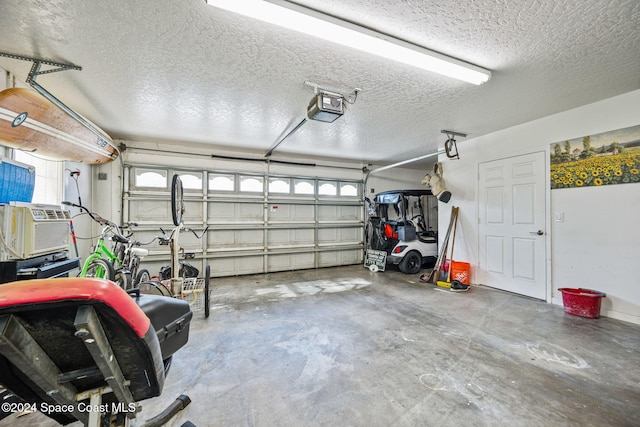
[602,159]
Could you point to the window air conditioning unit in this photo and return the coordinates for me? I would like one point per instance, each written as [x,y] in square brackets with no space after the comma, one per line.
[326,107]
[31,230]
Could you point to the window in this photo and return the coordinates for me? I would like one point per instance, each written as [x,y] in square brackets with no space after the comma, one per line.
[191,181]
[150,178]
[48,187]
[328,188]
[221,182]
[304,186]
[348,189]
[236,182]
[251,184]
[279,185]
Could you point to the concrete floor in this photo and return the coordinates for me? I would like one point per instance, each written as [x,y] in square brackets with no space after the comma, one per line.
[349,347]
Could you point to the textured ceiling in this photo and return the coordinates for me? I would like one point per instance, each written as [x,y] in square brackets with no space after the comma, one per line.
[185,71]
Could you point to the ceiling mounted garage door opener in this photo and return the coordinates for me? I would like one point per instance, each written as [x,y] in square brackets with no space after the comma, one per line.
[327,106]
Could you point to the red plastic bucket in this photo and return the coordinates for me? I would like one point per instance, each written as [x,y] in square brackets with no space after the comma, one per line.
[582,302]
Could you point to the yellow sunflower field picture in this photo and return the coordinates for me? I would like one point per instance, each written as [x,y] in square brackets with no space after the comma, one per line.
[602,159]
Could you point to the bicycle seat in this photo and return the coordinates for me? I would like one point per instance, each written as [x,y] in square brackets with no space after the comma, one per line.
[139,252]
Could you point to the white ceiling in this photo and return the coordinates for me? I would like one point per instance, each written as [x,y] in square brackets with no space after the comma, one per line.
[185,71]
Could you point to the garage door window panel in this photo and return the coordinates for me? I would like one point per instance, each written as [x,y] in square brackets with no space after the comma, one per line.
[348,189]
[251,184]
[191,182]
[304,187]
[221,182]
[327,188]
[150,178]
[280,185]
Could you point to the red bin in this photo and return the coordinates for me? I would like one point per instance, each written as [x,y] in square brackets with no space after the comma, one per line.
[582,302]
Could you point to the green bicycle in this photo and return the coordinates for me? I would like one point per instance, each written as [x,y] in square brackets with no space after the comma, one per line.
[103,263]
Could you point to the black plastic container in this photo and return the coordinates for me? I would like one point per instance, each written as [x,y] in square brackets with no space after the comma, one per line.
[171,318]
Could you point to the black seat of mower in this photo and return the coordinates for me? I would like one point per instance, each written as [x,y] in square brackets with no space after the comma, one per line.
[73,342]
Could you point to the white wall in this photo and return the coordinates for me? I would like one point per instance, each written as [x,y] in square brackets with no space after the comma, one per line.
[85,228]
[598,244]
[400,178]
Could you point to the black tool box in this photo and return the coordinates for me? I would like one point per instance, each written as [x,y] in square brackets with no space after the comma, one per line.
[170,317]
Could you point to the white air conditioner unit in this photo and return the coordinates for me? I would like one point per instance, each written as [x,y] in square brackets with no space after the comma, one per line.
[30,230]
[326,107]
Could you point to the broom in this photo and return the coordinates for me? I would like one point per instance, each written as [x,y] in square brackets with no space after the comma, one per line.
[447,284]
[432,277]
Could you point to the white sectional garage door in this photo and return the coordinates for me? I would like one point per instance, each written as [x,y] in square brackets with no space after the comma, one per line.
[257,222]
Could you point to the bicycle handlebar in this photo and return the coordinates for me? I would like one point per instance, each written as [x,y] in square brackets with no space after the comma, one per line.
[138,243]
[102,221]
[196,234]
[164,239]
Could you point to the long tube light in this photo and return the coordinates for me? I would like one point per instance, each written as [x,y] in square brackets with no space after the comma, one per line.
[311,22]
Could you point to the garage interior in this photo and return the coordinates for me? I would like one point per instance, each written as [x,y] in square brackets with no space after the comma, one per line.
[300,333]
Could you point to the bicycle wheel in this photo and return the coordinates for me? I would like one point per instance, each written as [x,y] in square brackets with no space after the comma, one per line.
[101,268]
[207,273]
[177,203]
[119,252]
[123,279]
[142,276]
[153,287]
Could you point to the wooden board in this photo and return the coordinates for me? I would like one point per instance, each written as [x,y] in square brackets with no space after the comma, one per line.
[30,122]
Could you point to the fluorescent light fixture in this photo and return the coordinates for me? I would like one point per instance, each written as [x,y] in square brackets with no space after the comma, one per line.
[311,22]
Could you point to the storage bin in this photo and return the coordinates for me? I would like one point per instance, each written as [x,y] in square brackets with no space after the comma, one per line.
[406,232]
[170,317]
[582,302]
[17,181]
[461,271]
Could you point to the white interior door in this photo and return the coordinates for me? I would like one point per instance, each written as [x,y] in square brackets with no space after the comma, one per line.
[512,225]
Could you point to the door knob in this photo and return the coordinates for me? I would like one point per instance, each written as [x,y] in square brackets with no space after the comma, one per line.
[539,232]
